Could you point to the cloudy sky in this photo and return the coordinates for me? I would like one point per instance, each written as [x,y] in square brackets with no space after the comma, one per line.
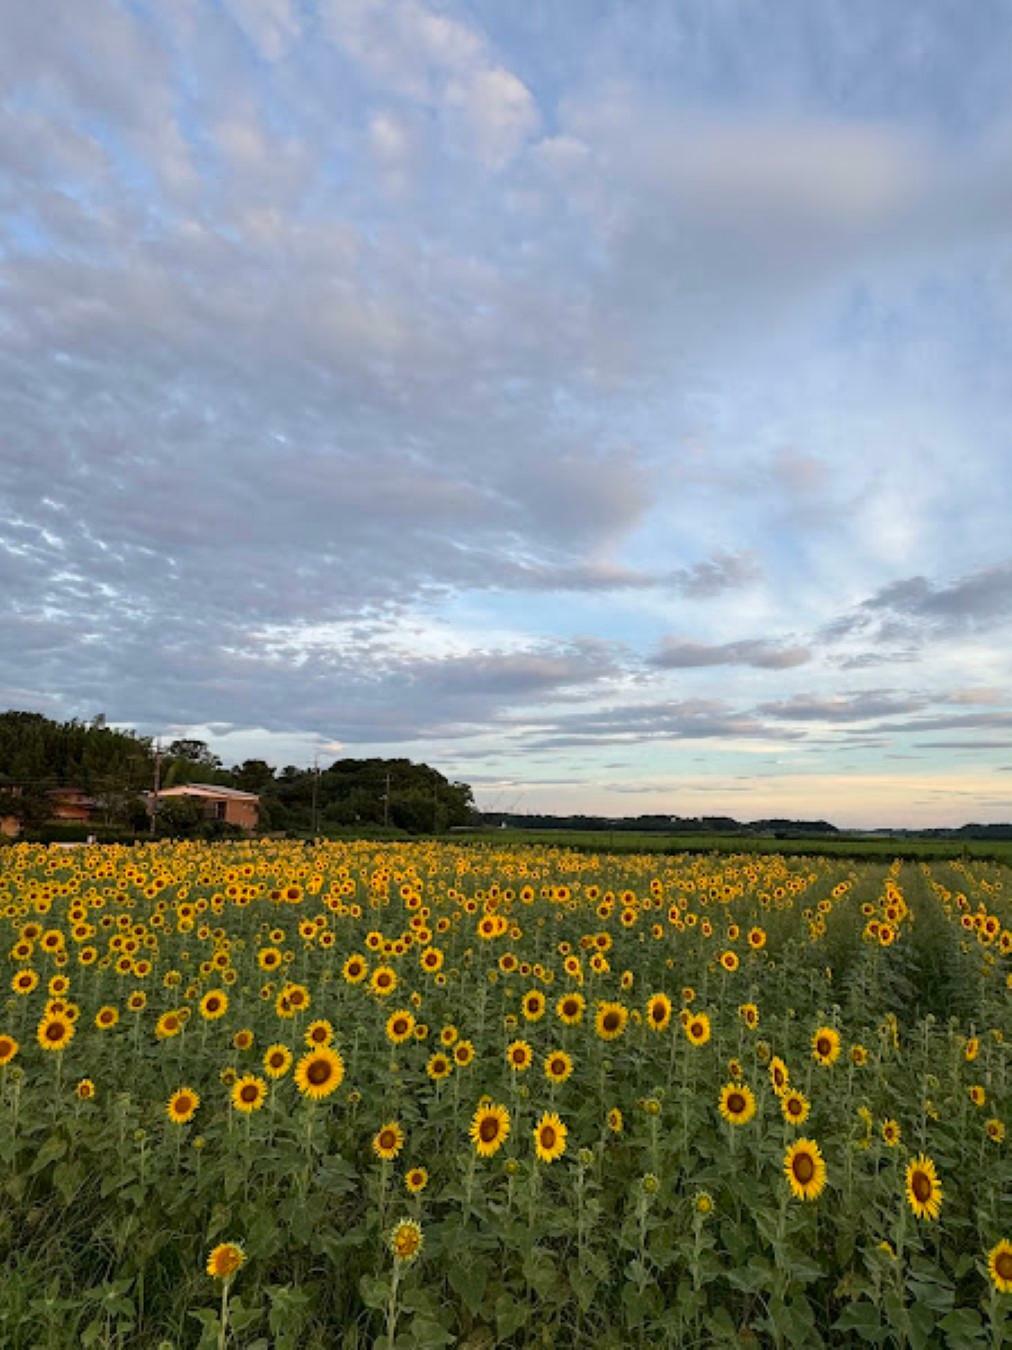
[609,402]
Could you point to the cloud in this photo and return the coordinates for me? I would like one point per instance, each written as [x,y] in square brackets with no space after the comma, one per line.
[325,325]
[272,26]
[856,707]
[911,608]
[681,654]
[440,61]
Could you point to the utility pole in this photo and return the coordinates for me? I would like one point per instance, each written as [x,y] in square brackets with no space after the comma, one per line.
[386,803]
[158,777]
[316,780]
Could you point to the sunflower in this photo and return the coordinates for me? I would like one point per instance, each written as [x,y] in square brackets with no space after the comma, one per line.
[794,1106]
[971,1049]
[995,1130]
[400,1026]
[999,1265]
[355,969]
[439,1066]
[558,1066]
[182,1105]
[106,1017]
[268,958]
[243,1039]
[858,1055]
[519,1056]
[8,1049]
[977,1094]
[826,1046]
[697,1028]
[24,981]
[891,1132]
[319,1032]
[388,1141]
[749,1014]
[658,1012]
[549,1137]
[319,1072]
[225,1260]
[85,1090]
[431,960]
[924,1191]
[756,939]
[383,981]
[249,1093]
[168,1025]
[805,1169]
[729,961]
[406,1240]
[490,1125]
[55,1031]
[570,1009]
[416,1179]
[533,1005]
[737,1103]
[214,1004]
[277,1060]
[779,1075]
[615,1121]
[610,1020]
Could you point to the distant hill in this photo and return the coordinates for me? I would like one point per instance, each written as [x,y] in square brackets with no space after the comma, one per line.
[774,827]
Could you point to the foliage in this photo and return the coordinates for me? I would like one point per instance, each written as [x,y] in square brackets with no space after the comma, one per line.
[659,988]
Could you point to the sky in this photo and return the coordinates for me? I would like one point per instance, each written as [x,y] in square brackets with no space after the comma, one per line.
[607,403]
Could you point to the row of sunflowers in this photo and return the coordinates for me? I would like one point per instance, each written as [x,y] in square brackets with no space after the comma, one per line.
[264,1094]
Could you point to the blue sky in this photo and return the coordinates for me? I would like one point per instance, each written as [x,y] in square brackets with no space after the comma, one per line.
[607,403]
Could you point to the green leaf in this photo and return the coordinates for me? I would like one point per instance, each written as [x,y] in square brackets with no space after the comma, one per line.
[375,1291]
[468,1279]
[963,1328]
[427,1332]
[510,1315]
[54,1147]
[67,1178]
[862,1317]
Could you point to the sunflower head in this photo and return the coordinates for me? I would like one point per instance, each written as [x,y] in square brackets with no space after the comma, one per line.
[182,1105]
[490,1127]
[406,1240]
[319,1072]
[826,1046]
[999,1265]
[737,1103]
[550,1137]
[416,1179]
[249,1093]
[225,1260]
[924,1190]
[388,1141]
[697,1028]
[805,1169]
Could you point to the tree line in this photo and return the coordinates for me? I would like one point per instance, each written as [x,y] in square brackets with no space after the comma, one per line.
[115,768]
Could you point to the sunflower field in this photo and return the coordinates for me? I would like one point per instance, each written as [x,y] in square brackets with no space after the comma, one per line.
[417,1095]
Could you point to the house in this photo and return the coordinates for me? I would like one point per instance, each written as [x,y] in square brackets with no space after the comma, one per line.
[64,806]
[71,804]
[219,803]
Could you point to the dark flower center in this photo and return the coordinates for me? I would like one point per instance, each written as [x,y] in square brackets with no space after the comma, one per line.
[804,1168]
[920,1184]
